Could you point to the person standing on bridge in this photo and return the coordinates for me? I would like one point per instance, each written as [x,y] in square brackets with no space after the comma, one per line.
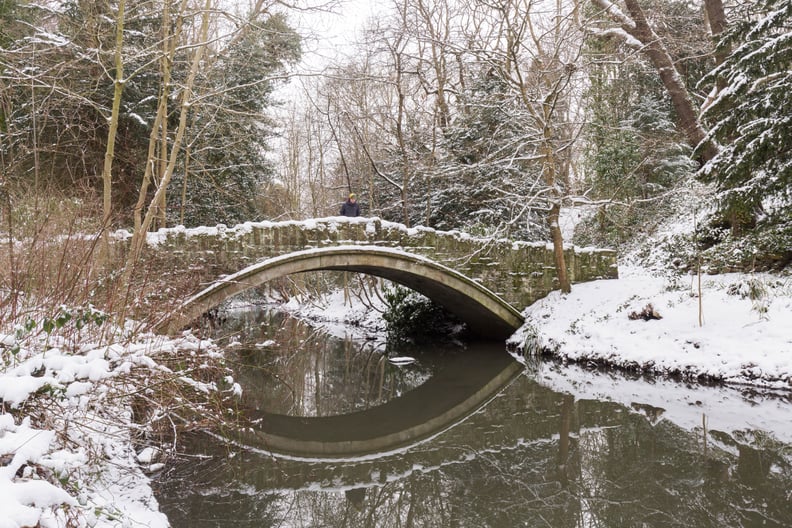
[350,207]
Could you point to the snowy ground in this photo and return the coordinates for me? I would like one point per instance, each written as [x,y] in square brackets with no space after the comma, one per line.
[735,328]
[67,455]
[740,340]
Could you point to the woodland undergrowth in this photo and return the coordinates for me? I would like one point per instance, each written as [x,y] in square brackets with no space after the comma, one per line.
[59,290]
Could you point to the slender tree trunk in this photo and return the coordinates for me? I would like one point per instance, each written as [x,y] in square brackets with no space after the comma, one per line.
[184,183]
[400,137]
[558,248]
[158,137]
[550,175]
[107,170]
[169,48]
[139,236]
[546,113]
[716,18]
[34,123]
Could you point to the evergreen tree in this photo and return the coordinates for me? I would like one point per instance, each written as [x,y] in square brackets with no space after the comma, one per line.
[12,21]
[489,175]
[57,90]
[635,153]
[752,117]
[229,163]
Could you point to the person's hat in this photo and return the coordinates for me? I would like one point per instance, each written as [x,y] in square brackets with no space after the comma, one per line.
[352,195]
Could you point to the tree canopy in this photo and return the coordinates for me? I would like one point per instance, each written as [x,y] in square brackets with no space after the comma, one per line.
[752,115]
[483,116]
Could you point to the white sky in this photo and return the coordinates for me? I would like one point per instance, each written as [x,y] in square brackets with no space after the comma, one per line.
[329,35]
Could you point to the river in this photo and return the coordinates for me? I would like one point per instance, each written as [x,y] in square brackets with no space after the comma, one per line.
[466,436]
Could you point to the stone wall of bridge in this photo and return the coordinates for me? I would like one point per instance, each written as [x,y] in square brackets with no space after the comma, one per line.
[519,272]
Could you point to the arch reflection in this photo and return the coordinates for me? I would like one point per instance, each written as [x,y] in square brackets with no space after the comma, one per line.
[447,398]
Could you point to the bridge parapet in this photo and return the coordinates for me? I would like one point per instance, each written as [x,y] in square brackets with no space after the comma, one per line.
[519,272]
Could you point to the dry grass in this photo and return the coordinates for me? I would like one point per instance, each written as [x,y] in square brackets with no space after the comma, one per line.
[51,257]
[58,289]
[47,256]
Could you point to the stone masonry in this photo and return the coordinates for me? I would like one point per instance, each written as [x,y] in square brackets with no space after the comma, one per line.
[518,272]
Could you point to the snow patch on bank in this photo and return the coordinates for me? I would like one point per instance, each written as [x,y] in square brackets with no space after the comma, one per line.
[67,455]
[736,330]
[344,315]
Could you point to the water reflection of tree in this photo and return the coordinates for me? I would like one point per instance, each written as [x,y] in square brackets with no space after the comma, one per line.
[593,464]
[659,475]
[531,457]
[306,374]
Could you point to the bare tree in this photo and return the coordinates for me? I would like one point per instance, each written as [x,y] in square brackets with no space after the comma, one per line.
[635,28]
[118,89]
[139,236]
[534,47]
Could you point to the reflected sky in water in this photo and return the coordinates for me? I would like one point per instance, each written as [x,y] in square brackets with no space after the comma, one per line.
[525,454]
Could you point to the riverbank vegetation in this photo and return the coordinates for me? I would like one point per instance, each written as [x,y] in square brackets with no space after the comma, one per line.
[500,120]
[411,316]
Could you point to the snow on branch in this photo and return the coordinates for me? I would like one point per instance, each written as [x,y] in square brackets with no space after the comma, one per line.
[615,13]
[620,34]
[768,79]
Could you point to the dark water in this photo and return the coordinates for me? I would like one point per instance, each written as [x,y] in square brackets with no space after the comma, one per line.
[468,437]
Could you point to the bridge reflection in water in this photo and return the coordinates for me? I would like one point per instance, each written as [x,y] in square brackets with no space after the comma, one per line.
[506,450]
[448,397]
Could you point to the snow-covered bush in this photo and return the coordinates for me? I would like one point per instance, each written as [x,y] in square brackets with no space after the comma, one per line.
[410,315]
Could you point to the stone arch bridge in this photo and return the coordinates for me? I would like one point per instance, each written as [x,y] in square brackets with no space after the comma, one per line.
[485,281]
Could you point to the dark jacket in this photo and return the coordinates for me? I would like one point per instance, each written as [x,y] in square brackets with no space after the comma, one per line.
[350,209]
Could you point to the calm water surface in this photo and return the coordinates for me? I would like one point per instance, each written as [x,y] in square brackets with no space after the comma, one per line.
[468,437]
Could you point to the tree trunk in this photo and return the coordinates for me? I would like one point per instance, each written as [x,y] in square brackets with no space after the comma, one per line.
[558,248]
[107,170]
[687,113]
[139,236]
[405,165]
[550,176]
[158,145]
[716,17]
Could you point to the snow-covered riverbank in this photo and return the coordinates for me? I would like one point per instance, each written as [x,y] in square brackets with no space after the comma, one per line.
[745,335]
[735,327]
[69,446]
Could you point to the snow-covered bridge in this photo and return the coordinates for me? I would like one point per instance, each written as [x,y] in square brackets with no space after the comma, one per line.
[485,281]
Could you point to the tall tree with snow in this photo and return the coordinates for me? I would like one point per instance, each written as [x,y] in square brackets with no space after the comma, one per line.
[226,155]
[635,154]
[634,26]
[752,117]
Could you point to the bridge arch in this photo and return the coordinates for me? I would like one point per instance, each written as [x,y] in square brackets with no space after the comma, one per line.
[486,314]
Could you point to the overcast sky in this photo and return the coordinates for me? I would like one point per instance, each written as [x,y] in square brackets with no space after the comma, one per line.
[330,35]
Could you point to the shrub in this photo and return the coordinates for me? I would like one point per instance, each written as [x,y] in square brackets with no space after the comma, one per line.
[410,315]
